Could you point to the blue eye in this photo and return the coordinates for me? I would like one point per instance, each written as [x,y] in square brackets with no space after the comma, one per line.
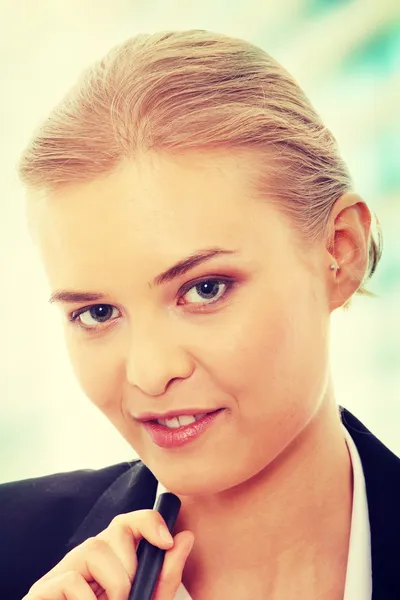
[208,290]
[205,292]
[98,313]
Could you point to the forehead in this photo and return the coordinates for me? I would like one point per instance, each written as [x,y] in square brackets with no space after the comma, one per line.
[153,210]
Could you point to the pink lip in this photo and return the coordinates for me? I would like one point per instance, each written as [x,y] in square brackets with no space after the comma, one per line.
[173,438]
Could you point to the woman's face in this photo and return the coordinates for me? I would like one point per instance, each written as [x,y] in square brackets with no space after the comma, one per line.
[245,330]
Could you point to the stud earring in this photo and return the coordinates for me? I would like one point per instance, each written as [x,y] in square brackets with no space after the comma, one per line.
[334,267]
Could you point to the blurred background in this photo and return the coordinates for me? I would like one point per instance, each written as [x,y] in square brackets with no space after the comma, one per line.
[346,55]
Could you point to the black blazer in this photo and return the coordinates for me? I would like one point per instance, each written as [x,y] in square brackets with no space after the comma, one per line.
[43,518]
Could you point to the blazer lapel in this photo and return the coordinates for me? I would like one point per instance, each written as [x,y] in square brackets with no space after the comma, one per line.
[382,479]
[133,490]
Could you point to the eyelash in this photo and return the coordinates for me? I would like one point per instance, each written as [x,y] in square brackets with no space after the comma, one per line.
[229,283]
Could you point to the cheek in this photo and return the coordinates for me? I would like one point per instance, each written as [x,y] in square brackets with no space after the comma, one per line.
[98,369]
[274,355]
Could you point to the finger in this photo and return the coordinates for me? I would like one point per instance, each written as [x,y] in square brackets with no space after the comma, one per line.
[144,524]
[114,567]
[147,524]
[141,523]
[67,586]
[121,540]
[126,530]
[95,561]
[174,563]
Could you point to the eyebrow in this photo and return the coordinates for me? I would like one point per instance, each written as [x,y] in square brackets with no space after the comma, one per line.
[177,270]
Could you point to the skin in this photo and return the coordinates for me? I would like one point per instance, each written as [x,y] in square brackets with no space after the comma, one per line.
[104,566]
[268,492]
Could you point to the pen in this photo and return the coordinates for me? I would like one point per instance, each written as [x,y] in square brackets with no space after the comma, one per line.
[151,558]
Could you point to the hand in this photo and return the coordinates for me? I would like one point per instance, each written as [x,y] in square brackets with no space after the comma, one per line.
[103,567]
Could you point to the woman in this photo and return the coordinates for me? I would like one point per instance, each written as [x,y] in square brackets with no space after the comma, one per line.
[198,228]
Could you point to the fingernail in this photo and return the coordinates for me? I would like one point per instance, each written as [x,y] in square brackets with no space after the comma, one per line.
[165,534]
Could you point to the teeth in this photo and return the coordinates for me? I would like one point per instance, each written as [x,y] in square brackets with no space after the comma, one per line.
[198,417]
[187,419]
[180,421]
[171,423]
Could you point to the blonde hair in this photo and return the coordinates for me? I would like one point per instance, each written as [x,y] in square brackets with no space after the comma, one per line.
[190,90]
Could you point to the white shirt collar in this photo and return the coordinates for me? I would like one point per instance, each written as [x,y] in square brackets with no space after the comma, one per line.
[359,573]
[359,570]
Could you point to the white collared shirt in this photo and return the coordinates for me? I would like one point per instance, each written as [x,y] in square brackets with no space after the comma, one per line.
[359,574]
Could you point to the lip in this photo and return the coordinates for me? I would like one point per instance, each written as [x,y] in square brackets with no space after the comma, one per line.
[165,437]
[150,416]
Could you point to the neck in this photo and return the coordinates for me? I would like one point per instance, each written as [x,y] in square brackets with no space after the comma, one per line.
[289,523]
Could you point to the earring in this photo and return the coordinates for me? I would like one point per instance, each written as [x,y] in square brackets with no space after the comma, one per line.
[334,267]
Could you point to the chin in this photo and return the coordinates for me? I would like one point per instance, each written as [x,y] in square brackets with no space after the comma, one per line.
[196,483]
[192,488]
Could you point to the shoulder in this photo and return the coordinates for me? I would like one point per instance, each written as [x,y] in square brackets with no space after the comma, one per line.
[62,499]
[57,489]
[59,485]
[381,466]
[367,443]
[39,515]
[381,469]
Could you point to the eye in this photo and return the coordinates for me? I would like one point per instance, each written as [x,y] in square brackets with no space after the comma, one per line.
[210,290]
[91,317]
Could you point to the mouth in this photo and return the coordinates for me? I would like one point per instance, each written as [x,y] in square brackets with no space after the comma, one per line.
[182,429]
[181,420]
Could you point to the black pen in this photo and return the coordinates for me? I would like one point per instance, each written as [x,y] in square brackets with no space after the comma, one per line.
[151,558]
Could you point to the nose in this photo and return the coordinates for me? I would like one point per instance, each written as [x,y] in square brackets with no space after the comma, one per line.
[155,358]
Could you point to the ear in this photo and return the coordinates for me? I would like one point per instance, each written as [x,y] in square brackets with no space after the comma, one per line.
[349,232]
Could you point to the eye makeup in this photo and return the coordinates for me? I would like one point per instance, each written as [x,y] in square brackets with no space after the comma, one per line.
[76,317]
